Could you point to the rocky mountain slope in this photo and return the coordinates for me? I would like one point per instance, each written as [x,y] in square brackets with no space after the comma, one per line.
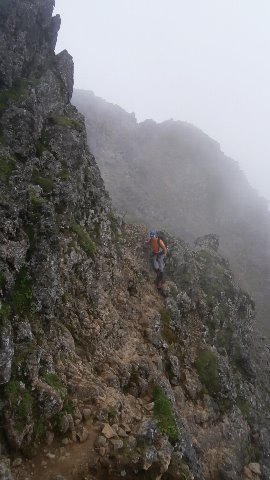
[174,176]
[100,375]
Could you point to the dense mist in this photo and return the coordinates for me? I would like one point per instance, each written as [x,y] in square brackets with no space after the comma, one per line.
[204,62]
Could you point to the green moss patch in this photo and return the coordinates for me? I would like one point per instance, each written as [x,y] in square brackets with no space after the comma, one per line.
[207,368]
[163,414]
[64,174]
[36,201]
[244,406]
[46,183]
[68,406]
[65,121]
[23,410]
[21,300]
[55,382]
[12,390]
[39,429]
[21,403]
[84,240]
[166,330]
[14,94]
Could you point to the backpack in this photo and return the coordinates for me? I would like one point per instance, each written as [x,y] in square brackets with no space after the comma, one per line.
[162,236]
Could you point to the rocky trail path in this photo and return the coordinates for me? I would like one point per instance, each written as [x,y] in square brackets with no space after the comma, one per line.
[72,457]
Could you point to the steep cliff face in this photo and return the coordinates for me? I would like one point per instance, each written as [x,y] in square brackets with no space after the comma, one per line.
[174,176]
[100,375]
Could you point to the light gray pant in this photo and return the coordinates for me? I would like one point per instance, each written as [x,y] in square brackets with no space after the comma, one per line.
[159,262]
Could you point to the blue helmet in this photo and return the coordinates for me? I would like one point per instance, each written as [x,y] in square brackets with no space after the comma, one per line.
[152,233]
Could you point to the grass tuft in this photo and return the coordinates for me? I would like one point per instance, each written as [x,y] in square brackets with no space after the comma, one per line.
[163,414]
[84,240]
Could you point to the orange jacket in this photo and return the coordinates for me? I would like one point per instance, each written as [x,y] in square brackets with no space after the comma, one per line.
[157,245]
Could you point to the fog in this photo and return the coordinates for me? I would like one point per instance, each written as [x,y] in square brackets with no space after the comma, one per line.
[203,61]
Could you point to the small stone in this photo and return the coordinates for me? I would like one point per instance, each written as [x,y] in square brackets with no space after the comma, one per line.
[102,451]
[123,473]
[108,432]
[65,441]
[51,456]
[43,463]
[77,414]
[117,444]
[126,427]
[86,413]
[149,406]
[247,473]
[77,421]
[132,441]
[255,468]
[100,441]
[17,462]
[115,427]
[49,436]
[121,432]
[82,435]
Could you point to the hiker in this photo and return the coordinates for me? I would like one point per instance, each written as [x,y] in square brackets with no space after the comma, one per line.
[159,252]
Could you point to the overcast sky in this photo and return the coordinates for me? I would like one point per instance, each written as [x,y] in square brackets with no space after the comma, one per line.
[203,61]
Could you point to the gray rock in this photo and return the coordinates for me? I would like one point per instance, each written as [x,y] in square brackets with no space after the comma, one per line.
[100,441]
[5,473]
[210,241]
[6,352]
[117,443]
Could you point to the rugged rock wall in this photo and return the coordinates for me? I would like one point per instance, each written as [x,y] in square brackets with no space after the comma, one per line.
[179,179]
[100,375]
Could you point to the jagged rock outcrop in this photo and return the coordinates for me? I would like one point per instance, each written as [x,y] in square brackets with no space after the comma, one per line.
[27,38]
[100,374]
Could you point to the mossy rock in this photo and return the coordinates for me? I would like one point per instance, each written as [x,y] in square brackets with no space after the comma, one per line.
[46,183]
[214,278]
[20,301]
[166,330]
[207,368]
[20,402]
[84,240]
[65,121]
[55,382]
[36,201]
[16,93]
[64,174]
